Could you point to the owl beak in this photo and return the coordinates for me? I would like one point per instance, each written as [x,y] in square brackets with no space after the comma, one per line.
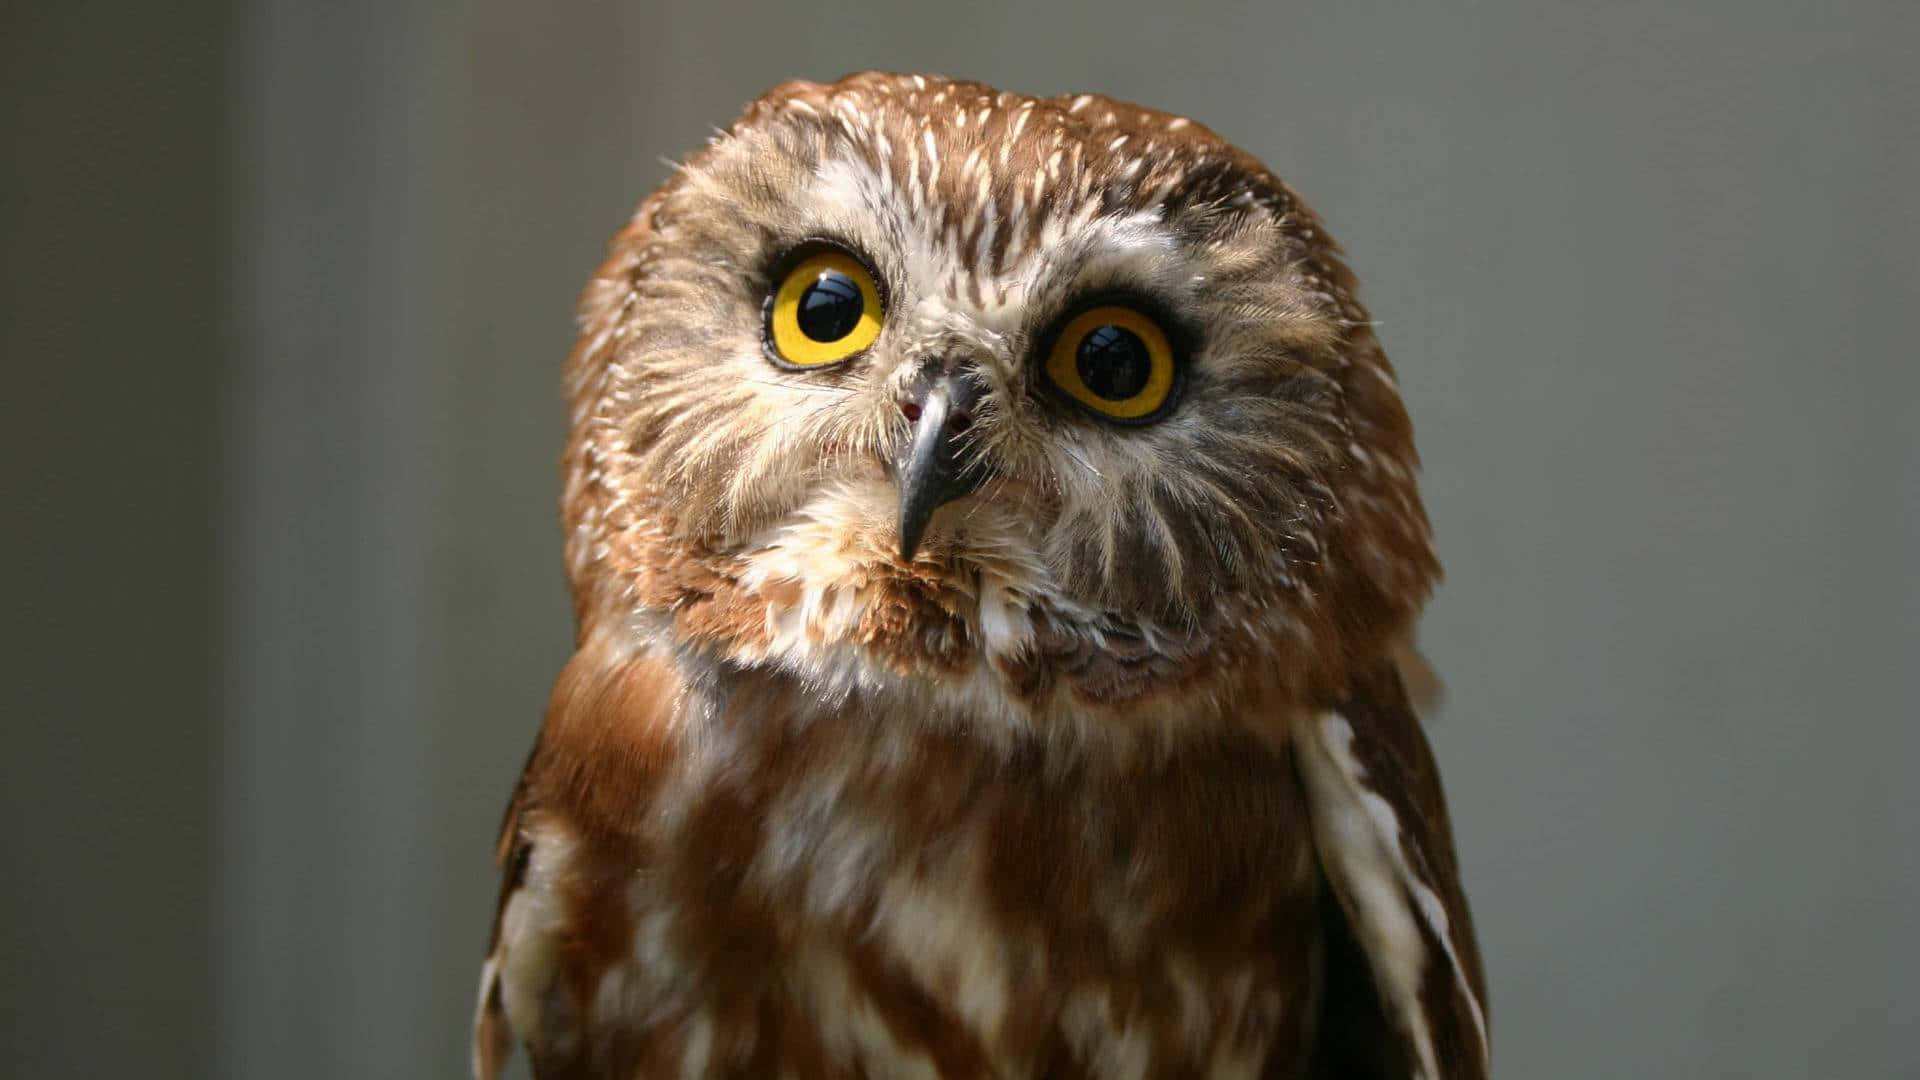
[936,468]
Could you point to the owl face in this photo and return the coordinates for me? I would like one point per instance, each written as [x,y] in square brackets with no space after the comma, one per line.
[1026,363]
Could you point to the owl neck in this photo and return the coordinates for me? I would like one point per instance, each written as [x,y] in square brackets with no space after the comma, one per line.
[975,633]
[968,653]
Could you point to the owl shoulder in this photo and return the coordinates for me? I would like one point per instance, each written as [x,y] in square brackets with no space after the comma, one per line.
[611,734]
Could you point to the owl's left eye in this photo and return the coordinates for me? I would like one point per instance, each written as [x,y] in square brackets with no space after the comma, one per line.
[825,309]
[1116,362]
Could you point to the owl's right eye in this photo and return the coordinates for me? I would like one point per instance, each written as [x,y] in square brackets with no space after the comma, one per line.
[825,309]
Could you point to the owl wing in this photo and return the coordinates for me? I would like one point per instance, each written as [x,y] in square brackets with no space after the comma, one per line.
[571,828]
[492,1033]
[1404,993]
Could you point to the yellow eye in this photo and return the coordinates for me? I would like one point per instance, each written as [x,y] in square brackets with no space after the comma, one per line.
[1114,360]
[825,310]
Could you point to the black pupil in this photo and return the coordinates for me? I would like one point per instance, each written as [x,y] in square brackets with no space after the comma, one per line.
[830,308]
[1113,362]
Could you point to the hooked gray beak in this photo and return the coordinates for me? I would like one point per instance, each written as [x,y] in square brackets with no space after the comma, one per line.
[936,468]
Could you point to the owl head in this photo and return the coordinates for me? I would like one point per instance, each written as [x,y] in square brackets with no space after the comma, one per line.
[907,377]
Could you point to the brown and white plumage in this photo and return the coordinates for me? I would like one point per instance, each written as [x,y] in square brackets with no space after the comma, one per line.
[1111,773]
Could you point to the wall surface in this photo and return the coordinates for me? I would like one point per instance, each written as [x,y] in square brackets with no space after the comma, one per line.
[109,368]
[1646,271]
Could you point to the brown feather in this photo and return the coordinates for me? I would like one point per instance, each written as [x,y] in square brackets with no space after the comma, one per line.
[1033,802]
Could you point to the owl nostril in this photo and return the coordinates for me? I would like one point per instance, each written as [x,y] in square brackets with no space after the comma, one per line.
[959,422]
[911,410]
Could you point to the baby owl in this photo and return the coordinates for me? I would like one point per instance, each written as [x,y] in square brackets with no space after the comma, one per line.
[991,526]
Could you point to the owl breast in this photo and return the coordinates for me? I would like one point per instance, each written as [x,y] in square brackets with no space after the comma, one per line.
[930,905]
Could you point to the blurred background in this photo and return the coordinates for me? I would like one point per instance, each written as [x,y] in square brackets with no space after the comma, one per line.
[286,290]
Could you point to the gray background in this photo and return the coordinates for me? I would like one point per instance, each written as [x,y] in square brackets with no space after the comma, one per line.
[287,285]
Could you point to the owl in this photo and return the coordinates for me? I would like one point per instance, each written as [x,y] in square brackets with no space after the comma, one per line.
[992,531]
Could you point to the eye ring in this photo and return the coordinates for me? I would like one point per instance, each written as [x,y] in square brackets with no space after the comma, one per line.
[825,308]
[1115,360]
